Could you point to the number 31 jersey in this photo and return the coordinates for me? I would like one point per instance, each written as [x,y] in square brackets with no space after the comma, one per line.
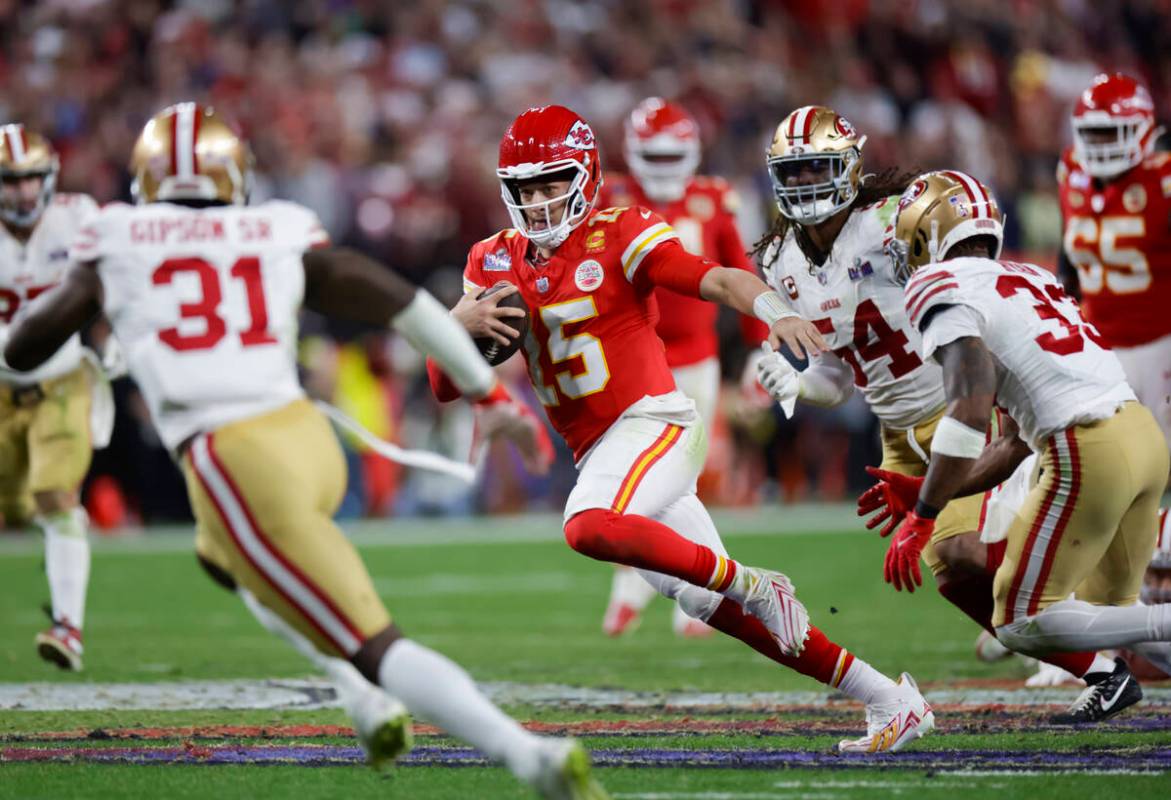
[1052,368]
[857,305]
[204,303]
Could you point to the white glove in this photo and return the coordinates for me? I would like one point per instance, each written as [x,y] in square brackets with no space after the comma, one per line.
[113,359]
[751,391]
[779,378]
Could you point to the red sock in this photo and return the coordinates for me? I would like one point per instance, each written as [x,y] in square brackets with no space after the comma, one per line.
[642,543]
[821,659]
[972,594]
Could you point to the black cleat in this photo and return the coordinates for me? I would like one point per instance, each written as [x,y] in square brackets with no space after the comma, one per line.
[1104,697]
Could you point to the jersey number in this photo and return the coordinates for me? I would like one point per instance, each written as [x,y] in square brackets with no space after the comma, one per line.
[1123,270]
[887,343]
[596,373]
[10,300]
[206,308]
[1073,340]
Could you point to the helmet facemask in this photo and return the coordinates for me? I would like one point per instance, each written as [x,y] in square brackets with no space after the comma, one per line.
[1109,157]
[812,204]
[576,204]
[663,165]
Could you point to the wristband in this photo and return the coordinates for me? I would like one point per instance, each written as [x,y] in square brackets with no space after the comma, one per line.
[925,511]
[769,308]
[954,438]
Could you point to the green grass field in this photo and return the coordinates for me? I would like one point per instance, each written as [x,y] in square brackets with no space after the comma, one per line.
[509,601]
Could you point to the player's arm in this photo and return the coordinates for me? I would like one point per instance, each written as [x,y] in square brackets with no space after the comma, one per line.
[731,253]
[997,462]
[341,282]
[45,324]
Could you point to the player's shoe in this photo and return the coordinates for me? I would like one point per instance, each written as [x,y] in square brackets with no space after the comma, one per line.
[620,618]
[687,627]
[772,601]
[383,725]
[893,722]
[629,595]
[61,645]
[564,773]
[1049,675]
[1103,698]
[989,649]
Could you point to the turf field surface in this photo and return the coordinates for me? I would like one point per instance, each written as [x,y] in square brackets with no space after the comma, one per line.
[664,718]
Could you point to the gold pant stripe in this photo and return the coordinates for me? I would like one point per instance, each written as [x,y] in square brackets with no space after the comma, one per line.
[290,582]
[1044,538]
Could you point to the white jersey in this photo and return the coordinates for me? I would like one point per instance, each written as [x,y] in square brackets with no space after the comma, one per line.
[29,268]
[857,305]
[1052,372]
[204,303]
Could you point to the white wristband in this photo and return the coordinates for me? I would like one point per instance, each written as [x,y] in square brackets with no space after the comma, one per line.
[433,331]
[954,438]
[769,308]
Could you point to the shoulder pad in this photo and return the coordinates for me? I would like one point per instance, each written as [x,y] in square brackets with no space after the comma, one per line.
[929,287]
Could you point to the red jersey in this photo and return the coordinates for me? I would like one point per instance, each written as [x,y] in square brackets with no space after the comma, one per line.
[1118,235]
[704,220]
[592,350]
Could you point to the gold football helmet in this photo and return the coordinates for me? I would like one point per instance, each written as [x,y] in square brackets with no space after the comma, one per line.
[815,164]
[936,212]
[189,152]
[25,154]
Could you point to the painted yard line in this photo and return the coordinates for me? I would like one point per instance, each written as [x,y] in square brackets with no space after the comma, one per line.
[1155,760]
[314,693]
[515,529]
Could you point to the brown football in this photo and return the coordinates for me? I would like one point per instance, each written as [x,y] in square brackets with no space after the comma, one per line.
[493,351]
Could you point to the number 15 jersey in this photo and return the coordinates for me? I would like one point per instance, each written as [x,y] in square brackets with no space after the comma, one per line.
[204,302]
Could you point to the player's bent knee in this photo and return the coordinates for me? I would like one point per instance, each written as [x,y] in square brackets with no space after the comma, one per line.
[1021,637]
[217,573]
[963,553]
[369,656]
[588,532]
[698,603]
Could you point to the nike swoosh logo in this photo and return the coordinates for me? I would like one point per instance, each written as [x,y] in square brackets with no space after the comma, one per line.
[645,214]
[1108,704]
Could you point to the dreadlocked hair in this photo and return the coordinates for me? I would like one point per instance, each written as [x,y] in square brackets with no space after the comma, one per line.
[874,187]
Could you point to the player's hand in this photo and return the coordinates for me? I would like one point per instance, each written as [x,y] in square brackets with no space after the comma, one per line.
[114,359]
[902,558]
[499,415]
[779,378]
[893,497]
[751,392]
[484,317]
[799,335]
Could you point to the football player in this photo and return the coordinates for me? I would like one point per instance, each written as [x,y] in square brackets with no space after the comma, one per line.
[45,446]
[662,149]
[1007,333]
[588,276]
[1115,193]
[203,292]
[827,259]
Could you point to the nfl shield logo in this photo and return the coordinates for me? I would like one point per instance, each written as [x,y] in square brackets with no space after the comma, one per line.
[542,284]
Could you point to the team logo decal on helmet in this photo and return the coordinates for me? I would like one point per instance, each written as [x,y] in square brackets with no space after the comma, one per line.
[580,137]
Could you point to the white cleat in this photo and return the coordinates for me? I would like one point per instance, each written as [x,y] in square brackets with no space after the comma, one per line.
[383,725]
[1048,675]
[894,722]
[772,601]
[564,773]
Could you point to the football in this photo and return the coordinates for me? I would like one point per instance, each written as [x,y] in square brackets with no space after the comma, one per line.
[492,350]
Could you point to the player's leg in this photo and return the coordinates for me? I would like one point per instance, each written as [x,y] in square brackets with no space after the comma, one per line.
[59,454]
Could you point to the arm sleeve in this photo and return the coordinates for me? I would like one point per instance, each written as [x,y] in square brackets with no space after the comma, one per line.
[441,383]
[827,381]
[947,324]
[672,267]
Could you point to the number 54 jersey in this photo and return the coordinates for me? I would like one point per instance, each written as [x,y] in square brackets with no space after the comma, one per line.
[857,305]
[204,302]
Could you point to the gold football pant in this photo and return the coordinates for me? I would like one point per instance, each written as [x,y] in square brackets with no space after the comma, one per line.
[1089,524]
[264,491]
[906,452]
[44,443]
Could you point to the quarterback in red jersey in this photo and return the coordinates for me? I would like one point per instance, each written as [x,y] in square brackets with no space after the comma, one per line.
[662,150]
[1115,192]
[588,278]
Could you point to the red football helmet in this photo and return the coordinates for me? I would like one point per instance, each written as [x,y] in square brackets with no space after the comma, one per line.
[544,142]
[1113,125]
[662,148]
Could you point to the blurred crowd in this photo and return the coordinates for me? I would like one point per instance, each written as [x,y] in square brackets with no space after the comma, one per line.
[385,117]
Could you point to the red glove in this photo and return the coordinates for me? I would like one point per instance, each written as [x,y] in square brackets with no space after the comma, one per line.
[894,495]
[500,415]
[902,559]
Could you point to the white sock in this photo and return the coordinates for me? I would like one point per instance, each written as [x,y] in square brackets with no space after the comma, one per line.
[434,687]
[1101,664]
[863,682]
[629,588]
[67,563]
[1073,625]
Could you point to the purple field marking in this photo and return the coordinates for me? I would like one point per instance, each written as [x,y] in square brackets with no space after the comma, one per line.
[1141,759]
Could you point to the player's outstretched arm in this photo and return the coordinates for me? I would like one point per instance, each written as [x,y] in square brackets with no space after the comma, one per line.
[751,296]
[343,283]
[45,324]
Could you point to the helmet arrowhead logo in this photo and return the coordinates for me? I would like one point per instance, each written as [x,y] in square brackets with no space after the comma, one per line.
[580,137]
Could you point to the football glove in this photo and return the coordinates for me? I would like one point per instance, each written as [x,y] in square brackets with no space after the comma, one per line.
[893,497]
[779,378]
[499,415]
[902,559]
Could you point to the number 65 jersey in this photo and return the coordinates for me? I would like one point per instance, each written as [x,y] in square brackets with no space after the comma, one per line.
[204,302]
[857,305]
[1053,371]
